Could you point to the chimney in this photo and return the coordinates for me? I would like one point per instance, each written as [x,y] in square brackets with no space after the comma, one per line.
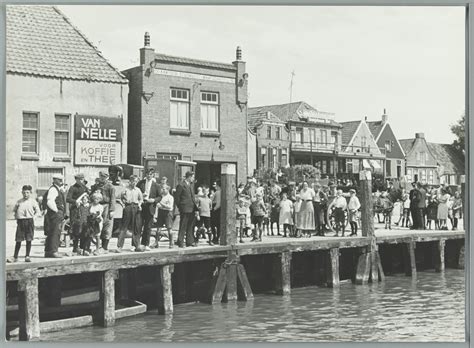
[238,53]
[420,135]
[147,54]
[241,79]
[384,117]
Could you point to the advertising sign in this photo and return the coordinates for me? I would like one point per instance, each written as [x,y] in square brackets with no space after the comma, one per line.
[98,140]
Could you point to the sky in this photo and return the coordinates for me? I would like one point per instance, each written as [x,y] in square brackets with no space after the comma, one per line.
[351,61]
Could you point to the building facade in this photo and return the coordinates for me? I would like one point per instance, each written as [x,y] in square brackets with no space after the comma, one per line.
[272,140]
[359,151]
[433,163]
[314,136]
[188,109]
[394,166]
[421,164]
[49,101]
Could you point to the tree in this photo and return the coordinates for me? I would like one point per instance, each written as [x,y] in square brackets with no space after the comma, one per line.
[458,129]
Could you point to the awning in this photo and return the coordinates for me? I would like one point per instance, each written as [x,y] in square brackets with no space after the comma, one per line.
[366,164]
[375,164]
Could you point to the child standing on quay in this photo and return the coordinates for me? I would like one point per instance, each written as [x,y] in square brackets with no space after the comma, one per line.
[95,221]
[241,212]
[204,204]
[258,213]
[25,210]
[266,219]
[275,215]
[286,214]
[164,215]
[79,223]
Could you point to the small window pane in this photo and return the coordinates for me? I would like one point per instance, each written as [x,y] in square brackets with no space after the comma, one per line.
[30,120]
[29,141]
[61,142]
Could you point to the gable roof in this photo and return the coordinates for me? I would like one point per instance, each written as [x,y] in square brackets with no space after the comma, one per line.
[42,41]
[448,158]
[375,128]
[257,118]
[407,144]
[191,61]
[294,111]
[348,131]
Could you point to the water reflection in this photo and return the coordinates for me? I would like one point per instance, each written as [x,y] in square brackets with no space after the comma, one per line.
[428,307]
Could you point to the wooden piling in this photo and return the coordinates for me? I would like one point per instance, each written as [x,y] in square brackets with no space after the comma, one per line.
[368,267]
[282,269]
[410,259]
[219,285]
[228,194]
[461,261]
[166,292]
[246,289]
[107,298]
[28,307]
[231,278]
[333,268]
[439,255]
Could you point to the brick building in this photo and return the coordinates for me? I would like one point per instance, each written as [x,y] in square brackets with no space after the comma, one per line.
[56,77]
[394,166]
[188,109]
[272,140]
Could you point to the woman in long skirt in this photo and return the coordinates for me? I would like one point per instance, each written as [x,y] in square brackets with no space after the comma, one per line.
[443,209]
[305,223]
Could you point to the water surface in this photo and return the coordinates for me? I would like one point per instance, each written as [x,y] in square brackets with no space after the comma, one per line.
[429,307]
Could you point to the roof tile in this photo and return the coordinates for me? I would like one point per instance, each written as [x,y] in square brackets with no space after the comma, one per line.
[41,41]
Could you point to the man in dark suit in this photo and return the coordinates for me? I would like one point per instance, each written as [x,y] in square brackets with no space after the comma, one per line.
[421,206]
[184,200]
[151,195]
[414,199]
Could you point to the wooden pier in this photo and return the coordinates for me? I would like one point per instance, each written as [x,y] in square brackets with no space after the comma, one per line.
[229,277]
[364,259]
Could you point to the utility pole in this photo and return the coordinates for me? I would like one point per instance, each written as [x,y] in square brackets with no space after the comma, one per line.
[291,85]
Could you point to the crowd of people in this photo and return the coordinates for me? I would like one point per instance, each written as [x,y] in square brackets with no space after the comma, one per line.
[300,209]
[425,207]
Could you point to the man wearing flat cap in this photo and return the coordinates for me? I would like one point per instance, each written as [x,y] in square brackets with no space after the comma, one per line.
[56,206]
[73,194]
[105,187]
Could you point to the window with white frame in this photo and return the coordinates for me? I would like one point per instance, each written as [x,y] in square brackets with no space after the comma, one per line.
[363,143]
[179,108]
[210,111]
[269,132]
[29,142]
[278,132]
[422,158]
[388,146]
[61,134]
[275,158]
[409,174]
[284,157]
[423,175]
[430,176]
[299,135]
[324,137]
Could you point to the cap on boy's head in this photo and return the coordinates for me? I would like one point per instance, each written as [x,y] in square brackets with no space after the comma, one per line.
[103,174]
[79,176]
[151,170]
[26,188]
[352,191]
[58,176]
[188,174]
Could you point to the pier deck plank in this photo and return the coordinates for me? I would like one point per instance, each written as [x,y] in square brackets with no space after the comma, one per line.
[41,267]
